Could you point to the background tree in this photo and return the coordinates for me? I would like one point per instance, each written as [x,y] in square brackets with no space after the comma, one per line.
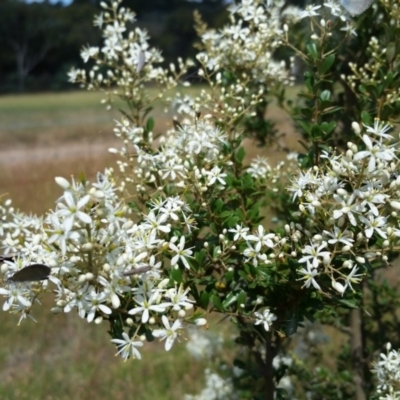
[30,31]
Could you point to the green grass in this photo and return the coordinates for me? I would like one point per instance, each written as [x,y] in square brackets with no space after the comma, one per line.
[64,357]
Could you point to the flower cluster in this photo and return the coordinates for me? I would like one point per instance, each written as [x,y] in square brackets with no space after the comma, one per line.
[249,41]
[356,194]
[179,158]
[126,61]
[387,371]
[102,262]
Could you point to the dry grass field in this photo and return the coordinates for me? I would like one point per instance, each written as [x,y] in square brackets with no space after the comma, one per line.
[62,356]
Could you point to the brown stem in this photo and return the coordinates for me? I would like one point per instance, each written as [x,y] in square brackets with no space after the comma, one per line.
[356,343]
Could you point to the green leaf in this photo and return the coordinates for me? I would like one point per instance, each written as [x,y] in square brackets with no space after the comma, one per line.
[241,299]
[216,251]
[240,155]
[291,325]
[176,274]
[231,298]
[150,124]
[331,110]
[316,132]
[228,276]
[391,52]
[327,63]
[204,300]
[199,256]
[217,302]
[306,127]
[328,127]
[366,118]
[312,50]
[325,95]
[348,303]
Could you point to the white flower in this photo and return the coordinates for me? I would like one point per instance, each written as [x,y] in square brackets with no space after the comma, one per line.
[71,210]
[156,223]
[127,347]
[352,278]
[170,332]
[375,150]
[178,298]
[181,253]
[310,11]
[253,254]
[215,175]
[239,231]
[300,183]
[266,318]
[374,224]
[89,52]
[380,128]
[349,208]
[262,238]
[145,306]
[337,236]
[96,300]
[314,253]
[309,274]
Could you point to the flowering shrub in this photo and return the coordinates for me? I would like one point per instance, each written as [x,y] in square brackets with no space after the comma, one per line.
[179,231]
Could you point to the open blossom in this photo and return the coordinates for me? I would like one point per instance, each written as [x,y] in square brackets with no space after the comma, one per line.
[309,276]
[215,175]
[261,238]
[375,151]
[387,371]
[313,254]
[337,236]
[374,224]
[72,210]
[170,333]
[310,11]
[353,277]
[240,232]
[127,347]
[350,207]
[146,306]
[299,184]
[181,254]
[266,318]
[380,129]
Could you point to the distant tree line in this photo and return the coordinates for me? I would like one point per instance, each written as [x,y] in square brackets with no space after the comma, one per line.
[39,42]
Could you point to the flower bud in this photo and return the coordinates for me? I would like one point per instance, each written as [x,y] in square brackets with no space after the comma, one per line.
[62,182]
[200,321]
[338,287]
[395,205]
[356,127]
[181,313]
